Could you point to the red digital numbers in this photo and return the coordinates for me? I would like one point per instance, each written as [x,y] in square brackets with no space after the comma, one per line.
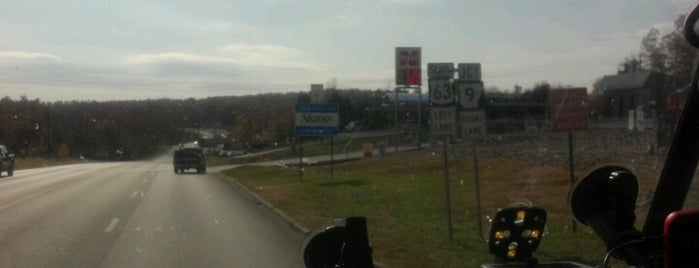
[412,77]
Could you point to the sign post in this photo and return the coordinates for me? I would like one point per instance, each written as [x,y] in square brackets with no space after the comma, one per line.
[471,120]
[454,113]
[443,118]
[315,120]
[569,112]
[408,73]
[469,87]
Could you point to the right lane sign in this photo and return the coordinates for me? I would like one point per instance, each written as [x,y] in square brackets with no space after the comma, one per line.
[472,124]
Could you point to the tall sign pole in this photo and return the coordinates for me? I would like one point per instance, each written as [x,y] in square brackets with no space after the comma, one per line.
[469,88]
[419,118]
[408,73]
[569,113]
[443,117]
[454,113]
[315,120]
[395,121]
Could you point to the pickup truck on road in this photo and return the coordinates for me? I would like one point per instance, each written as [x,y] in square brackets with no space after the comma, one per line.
[7,161]
[189,158]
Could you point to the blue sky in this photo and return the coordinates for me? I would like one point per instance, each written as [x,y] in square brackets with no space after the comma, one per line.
[123,50]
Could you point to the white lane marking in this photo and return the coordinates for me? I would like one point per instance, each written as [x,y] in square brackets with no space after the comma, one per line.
[111,225]
[134,194]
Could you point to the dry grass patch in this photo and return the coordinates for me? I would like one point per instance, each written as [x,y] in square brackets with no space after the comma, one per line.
[404,201]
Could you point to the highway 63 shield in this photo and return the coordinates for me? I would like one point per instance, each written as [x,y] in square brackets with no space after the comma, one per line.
[441,91]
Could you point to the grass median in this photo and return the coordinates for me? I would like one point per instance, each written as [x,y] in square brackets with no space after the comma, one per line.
[403,198]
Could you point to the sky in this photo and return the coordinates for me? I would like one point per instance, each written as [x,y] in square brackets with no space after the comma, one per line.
[132,50]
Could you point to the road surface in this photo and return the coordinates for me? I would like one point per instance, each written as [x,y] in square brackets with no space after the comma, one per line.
[137,214]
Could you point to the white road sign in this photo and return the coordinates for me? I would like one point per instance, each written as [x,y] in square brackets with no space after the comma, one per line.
[443,120]
[470,72]
[441,91]
[472,124]
[440,70]
[469,94]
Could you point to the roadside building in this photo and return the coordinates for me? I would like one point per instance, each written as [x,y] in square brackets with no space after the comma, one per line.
[635,91]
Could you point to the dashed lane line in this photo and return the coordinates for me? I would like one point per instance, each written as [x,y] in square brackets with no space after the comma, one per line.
[111,225]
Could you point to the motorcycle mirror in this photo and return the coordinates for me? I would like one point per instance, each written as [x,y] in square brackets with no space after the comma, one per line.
[605,200]
[342,244]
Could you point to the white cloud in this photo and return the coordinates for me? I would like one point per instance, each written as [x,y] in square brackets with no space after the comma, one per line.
[22,55]
[410,2]
[270,56]
[175,57]
[238,55]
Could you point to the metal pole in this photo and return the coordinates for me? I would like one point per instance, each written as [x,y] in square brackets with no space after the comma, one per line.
[478,190]
[446,184]
[332,157]
[572,171]
[300,159]
[395,121]
[419,117]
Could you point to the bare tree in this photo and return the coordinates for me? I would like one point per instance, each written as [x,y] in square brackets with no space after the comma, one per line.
[652,55]
[680,54]
[631,64]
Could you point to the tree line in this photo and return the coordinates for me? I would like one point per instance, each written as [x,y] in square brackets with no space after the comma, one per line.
[138,129]
[669,54]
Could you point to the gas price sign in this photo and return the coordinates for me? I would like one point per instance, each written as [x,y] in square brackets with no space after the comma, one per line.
[408,66]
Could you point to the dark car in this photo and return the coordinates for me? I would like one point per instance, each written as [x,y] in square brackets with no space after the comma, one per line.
[7,161]
[189,158]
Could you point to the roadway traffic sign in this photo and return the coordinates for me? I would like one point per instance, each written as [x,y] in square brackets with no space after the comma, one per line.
[441,91]
[316,119]
[443,120]
[440,70]
[569,109]
[470,72]
[472,124]
[469,94]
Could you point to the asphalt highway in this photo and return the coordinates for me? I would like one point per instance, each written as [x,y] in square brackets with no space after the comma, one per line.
[137,214]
